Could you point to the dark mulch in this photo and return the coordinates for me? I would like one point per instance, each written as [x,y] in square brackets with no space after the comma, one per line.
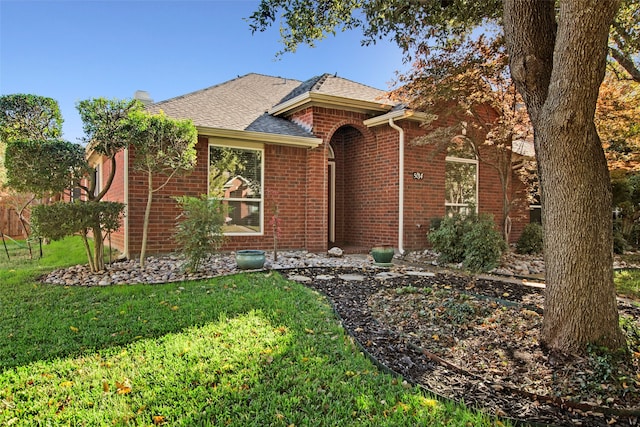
[475,340]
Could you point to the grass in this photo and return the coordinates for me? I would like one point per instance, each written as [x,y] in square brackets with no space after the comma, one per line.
[628,283]
[243,350]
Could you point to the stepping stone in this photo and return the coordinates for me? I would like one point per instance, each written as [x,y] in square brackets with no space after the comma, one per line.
[301,279]
[324,277]
[352,277]
[421,273]
[388,275]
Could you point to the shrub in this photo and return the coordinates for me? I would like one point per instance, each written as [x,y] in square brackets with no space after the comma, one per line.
[199,233]
[446,238]
[468,239]
[620,244]
[530,242]
[483,245]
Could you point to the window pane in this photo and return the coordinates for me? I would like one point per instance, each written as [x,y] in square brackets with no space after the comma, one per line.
[235,176]
[235,172]
[242,217]
[452,210]
[460,183]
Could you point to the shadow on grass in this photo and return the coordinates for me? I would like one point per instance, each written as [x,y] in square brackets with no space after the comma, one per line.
[43,322]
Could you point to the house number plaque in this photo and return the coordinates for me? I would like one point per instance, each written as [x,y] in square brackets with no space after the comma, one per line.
[418,175]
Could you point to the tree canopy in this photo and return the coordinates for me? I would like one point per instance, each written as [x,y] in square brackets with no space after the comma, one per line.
[44,167]
[31,117]
[417,26]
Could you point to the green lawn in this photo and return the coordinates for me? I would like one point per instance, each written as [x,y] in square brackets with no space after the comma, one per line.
[628,283]
[244,350]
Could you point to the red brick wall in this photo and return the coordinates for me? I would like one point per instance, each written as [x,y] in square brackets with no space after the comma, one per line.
[285,179]
[424,194]
[116,194]
[297,180]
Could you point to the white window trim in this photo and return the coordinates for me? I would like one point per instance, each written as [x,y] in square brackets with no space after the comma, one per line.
[247,146]
[477,195]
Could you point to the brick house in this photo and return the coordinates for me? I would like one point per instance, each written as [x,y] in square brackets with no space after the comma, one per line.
[334,155]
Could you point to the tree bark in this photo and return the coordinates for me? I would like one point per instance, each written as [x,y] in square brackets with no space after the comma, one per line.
[145,224]
[558,68]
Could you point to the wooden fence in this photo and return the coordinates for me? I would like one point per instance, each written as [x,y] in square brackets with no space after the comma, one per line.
[10,223]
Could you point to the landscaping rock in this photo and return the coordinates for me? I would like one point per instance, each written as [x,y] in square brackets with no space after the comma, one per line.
[335,252]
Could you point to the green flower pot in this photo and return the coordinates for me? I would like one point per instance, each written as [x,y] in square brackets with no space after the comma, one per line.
[382,255]
[250,259]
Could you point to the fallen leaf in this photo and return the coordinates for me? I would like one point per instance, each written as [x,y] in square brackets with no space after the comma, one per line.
[159,420]
[123,387]
[105,386]
[74,329]
[66,384]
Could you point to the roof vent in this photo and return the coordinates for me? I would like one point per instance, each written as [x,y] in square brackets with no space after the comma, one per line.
[143,96]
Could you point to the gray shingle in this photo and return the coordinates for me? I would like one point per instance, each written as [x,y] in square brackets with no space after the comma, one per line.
[337,86]
[235,104]
[241,103]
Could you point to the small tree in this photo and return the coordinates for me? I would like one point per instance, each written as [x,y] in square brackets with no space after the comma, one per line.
[106,127]
[162,146]
[275,222]
[465,83]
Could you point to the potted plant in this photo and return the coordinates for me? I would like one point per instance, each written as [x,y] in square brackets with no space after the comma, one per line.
[250,259]
[382,255]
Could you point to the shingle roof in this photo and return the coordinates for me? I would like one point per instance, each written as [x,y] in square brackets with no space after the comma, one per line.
[237,104]
[338,86]
[242,103]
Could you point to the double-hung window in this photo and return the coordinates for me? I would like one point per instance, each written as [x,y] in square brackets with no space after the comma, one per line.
[236,178]
[461,180]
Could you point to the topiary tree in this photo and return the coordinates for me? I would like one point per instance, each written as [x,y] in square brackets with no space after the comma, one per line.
[25,117]
[106,126]
[55,166]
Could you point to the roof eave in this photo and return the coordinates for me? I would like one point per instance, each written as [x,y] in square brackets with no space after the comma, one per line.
[397,115]
[266,138]
[331,101]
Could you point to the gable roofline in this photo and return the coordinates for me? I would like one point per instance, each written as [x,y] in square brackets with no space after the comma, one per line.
[316,99]
[265,138]
[159,104]
[331,91]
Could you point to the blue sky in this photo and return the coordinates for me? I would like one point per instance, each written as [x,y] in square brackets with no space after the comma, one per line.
[72,50]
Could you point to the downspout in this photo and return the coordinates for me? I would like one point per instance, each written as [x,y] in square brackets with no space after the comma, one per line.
[400,185]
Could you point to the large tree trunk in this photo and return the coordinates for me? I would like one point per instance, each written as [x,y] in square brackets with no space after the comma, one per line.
[558,69]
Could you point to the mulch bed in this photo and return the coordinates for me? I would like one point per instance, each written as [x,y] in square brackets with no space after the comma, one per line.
[475,340]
